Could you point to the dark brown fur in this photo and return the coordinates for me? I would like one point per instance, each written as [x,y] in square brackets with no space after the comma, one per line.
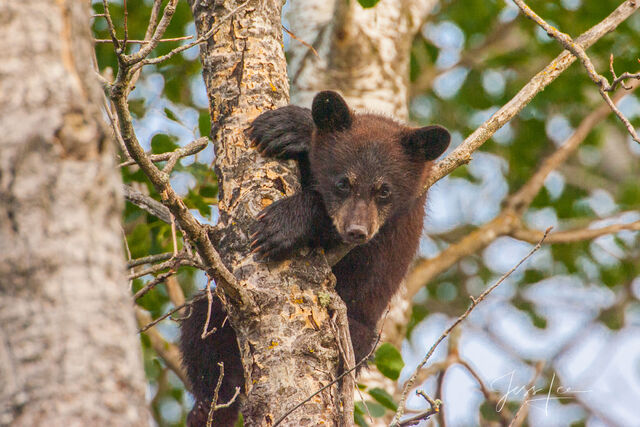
[362,178]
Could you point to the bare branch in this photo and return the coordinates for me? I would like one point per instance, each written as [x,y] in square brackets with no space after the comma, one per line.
[522,411]
[149,259]
[170,312]
[112,30]
[153,283]
[474,303]
[190,149]
[433,410]
[146,49]
[578,51]
[148,204]
[205,330]
[126,26]
[620,80]
[177,261]
[174,39]
[299,40]
[187,222]
[153,19]
[214,402]
[571,236]
[462,154]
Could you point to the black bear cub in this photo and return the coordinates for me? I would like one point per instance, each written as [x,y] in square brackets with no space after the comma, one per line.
[362,178]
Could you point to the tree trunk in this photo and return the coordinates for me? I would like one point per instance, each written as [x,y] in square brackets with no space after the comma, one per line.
[288,348]
[69,354]
[363,53]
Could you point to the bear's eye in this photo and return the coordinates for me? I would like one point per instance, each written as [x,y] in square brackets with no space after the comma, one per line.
[343,185]
[383,192]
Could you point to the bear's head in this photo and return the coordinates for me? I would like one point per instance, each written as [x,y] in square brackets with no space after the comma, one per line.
[368,167]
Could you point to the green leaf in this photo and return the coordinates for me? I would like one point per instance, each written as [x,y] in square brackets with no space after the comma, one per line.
[389,361]
[209,191]
[375,409]
[359,420]
[162,143]
[204,123]
[194,200]
[367,4]
[384,398]
[139,240]
[358,412]
[171,115]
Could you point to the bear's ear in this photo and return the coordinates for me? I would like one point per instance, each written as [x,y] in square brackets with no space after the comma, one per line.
[426,143]
[330,112]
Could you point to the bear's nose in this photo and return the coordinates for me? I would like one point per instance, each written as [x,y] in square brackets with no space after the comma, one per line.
[357,233]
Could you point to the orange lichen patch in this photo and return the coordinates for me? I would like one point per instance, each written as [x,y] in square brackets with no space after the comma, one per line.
[264,202]
[272,174]
[310,316]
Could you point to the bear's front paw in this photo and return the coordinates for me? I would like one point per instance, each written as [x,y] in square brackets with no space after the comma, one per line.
[275,237]
[284,133]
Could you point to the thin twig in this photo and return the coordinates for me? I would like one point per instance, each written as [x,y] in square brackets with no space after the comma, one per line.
[620,80]
[345,357]
[126,26]
[148,204]
[304,43]
[153,19]
[578,51]
[174,39]
[521,413]
[175,262]
[147,48]
[205,331]
[474,303]
[433,410]
[214,400]
[170,312]
[149,259]
[112,30]
[153,283]
[190,149]
[571,236]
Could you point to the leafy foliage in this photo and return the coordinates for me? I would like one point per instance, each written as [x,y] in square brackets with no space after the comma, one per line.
[388,360]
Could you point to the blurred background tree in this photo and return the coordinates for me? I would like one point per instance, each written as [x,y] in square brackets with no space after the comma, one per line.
[566,323]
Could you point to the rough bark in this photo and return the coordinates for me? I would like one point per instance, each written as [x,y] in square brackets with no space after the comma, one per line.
[286,342]
[69,354]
